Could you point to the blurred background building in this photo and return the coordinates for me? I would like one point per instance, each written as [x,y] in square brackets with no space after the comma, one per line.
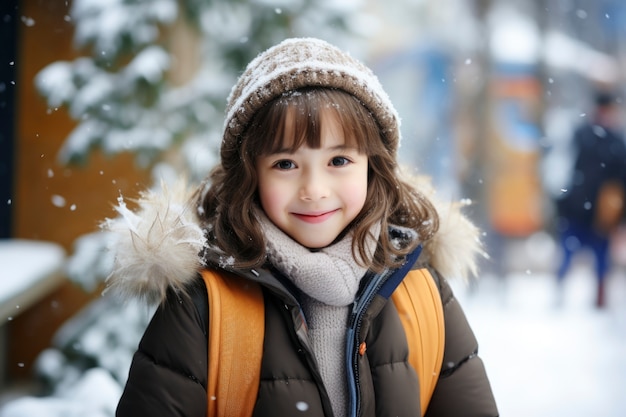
[102,98]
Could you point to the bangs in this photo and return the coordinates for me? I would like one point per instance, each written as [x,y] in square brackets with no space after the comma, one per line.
[294,120]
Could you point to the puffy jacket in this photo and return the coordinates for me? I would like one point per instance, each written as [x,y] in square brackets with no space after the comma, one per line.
[168,375]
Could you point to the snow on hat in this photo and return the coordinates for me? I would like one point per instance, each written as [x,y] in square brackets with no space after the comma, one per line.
[306,62]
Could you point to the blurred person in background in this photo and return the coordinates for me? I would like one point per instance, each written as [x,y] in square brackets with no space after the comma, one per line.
[592,206]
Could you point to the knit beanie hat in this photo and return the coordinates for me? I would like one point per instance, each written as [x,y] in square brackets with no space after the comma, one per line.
[306,62]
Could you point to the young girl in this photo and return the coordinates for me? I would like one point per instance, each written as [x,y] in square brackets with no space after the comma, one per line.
[308,203]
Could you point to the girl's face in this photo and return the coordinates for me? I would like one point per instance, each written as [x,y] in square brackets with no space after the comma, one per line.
[313,194]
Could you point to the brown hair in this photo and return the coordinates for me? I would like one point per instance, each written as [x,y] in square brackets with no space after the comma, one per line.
[227,207]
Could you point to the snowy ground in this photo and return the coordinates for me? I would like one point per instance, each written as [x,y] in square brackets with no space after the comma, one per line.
[546,359]
[543,359]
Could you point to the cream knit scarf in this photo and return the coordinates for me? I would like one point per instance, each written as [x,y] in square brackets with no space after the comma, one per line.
[330,279]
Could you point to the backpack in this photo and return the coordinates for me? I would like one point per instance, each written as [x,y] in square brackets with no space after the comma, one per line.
[237,323]
[609,206]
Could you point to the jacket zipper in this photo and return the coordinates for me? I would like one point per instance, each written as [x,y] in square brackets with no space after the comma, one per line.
[352,350]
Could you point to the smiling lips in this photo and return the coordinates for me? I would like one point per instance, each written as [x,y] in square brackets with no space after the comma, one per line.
[315,217]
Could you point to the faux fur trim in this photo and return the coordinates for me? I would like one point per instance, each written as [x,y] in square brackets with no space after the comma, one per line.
[454,250]
[157,246]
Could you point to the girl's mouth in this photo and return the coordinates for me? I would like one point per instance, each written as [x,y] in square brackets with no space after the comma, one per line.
[315,217]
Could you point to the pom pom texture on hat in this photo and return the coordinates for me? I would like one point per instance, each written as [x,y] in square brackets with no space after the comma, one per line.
[306,62]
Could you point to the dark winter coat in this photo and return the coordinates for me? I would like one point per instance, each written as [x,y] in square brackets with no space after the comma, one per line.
[169,372]
[168,375]
[600,156]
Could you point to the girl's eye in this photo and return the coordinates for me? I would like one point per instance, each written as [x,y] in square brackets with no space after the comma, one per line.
[338,161]
[285,164]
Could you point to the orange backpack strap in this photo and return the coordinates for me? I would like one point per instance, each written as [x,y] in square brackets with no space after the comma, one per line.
[419,306]
[236,333]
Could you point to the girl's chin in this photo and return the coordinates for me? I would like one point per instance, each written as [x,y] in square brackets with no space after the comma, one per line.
[319,245]
[315,245]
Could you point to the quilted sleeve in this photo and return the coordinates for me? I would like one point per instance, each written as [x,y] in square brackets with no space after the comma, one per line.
[168,374]
[463,388]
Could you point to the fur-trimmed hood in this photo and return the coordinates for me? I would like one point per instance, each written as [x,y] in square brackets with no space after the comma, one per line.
[157,245]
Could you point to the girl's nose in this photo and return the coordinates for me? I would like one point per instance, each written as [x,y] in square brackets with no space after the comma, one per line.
[313,188]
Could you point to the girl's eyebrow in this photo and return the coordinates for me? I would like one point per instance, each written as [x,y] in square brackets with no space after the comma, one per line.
[344,147]
[337,148]
[289,151]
